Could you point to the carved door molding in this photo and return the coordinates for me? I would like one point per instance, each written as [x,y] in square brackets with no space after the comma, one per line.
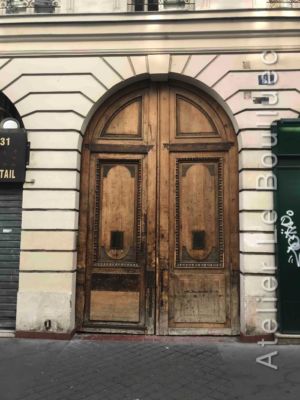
[158,240]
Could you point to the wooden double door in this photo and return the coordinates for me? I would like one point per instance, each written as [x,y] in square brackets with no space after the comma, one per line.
[158,216]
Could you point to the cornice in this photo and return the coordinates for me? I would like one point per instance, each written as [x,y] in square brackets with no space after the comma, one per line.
[174,16]
[148,33]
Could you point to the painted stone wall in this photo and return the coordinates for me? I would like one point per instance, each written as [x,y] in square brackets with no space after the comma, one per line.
[56,97]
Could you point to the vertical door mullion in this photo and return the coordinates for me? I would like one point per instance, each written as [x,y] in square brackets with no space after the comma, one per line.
[163,207]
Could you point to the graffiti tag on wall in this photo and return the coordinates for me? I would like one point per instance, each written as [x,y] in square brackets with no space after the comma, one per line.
[289,230]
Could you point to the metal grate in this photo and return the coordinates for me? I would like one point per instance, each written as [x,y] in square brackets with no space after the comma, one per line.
[10,232]
[149,5]
[160,5]
[198,239]
[116,240]
[39,6]
[283,4]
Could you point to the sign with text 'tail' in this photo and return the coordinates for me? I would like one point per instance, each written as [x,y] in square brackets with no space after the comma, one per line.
[13,155]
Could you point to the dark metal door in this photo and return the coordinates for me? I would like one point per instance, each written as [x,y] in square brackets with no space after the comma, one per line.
[10,231]
[287,202]
[288,208]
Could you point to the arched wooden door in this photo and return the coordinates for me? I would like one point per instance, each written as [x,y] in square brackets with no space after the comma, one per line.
[159,215]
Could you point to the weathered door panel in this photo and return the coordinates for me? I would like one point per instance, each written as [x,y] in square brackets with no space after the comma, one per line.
[197,298]
[199,287]
[117,242]
[161,233]
[118,291]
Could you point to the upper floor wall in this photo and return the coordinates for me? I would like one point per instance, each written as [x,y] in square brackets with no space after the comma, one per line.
[8,7]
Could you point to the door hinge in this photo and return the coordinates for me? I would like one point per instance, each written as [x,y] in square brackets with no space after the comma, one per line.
[144,236]
[164,283]
[150,280]
[150,276]
[235,277]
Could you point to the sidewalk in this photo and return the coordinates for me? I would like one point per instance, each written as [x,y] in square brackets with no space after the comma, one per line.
[203,369]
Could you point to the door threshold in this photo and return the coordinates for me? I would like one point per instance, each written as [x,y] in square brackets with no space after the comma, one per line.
[6,333]
[154,338]
[117,331]
[287,338]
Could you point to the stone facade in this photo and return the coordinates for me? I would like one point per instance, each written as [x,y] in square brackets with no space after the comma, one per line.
[56,86]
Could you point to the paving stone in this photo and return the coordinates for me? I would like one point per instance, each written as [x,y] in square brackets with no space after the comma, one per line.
[106,370]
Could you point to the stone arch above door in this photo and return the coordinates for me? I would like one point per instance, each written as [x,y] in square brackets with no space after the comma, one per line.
[122,71]
[134,103]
